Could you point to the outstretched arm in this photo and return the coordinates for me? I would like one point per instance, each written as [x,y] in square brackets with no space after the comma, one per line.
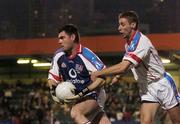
[119,68]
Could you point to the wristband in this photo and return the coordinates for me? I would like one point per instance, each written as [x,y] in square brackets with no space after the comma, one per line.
[83,92]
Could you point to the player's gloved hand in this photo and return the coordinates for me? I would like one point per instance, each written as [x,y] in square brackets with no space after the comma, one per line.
[53,95]
[79,95]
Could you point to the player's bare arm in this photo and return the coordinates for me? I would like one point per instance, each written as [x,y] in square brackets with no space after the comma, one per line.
[99,82]
[119,68]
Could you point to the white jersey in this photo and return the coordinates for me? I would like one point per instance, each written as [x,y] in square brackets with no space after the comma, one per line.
[147,66]
[148,70]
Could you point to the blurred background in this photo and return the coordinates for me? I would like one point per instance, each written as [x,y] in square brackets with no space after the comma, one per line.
[28,40]
[40,18]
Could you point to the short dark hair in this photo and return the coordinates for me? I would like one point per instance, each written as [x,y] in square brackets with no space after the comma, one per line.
[71,29]
[131,16]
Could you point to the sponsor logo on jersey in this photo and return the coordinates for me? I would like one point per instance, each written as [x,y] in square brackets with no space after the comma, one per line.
[72,73]
[75,81]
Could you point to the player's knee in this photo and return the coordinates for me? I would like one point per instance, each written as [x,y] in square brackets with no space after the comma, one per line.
[146,121]
[75,114]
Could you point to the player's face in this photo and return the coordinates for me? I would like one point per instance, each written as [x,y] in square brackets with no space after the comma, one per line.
[66,41]
[125,28]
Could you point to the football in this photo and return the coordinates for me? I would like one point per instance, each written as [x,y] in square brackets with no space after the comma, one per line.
[65,90]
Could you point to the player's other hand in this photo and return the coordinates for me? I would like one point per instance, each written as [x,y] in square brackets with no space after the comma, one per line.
[60,101]
[115,79]
[52,84]
[73,98]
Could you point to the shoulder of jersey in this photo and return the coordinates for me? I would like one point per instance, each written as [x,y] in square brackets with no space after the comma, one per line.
[87,53]
[93,58]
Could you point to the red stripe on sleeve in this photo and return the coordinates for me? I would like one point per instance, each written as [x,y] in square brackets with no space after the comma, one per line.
[136,58]
[57,78]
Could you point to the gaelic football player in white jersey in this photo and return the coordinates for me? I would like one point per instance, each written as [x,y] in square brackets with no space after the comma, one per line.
[73,63]
[157,88]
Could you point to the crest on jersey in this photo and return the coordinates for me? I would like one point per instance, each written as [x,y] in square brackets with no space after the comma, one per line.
[79,68]
[63,65]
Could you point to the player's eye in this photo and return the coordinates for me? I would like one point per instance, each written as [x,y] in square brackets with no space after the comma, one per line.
[122,24]
[61,37]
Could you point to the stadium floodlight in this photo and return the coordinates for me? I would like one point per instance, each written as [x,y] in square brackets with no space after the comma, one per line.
[34,61]
[23,61]
[42,64]
[165,61]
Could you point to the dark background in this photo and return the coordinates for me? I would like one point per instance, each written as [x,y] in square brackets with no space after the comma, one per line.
[41,18]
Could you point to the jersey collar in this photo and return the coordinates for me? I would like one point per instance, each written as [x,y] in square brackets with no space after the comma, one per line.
[78,50]
[132,37]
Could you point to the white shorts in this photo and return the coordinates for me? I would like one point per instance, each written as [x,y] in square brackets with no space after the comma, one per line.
[101,98]
[163,92]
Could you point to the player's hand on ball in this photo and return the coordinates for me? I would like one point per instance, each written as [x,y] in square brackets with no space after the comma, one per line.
[73,98]
[60,101]
[63,91]
[79,95]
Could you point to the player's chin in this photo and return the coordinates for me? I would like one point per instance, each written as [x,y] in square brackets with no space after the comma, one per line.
[64,48]
[123,35]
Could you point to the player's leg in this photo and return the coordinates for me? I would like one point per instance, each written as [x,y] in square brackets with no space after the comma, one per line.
[148,111]
[174,114]
[98,117]
[83,108]
[171,101]
[104,119]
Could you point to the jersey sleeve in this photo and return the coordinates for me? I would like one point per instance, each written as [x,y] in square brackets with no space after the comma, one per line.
[91,60]
[137,50]
[54,73]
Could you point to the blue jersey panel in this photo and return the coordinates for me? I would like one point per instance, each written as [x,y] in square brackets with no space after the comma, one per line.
[92,58]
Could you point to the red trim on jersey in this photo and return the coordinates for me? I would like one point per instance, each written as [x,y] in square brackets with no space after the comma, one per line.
[78,50]
[131,37]
[57,78]
[133,56]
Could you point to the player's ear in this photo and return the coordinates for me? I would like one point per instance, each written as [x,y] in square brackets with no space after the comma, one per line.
[73,37]
[133,25]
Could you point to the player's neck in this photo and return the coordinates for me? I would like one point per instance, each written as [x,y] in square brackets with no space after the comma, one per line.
[73,51]
[131,36]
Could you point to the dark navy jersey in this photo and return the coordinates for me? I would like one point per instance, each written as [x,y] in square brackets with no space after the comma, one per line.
[75,68]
